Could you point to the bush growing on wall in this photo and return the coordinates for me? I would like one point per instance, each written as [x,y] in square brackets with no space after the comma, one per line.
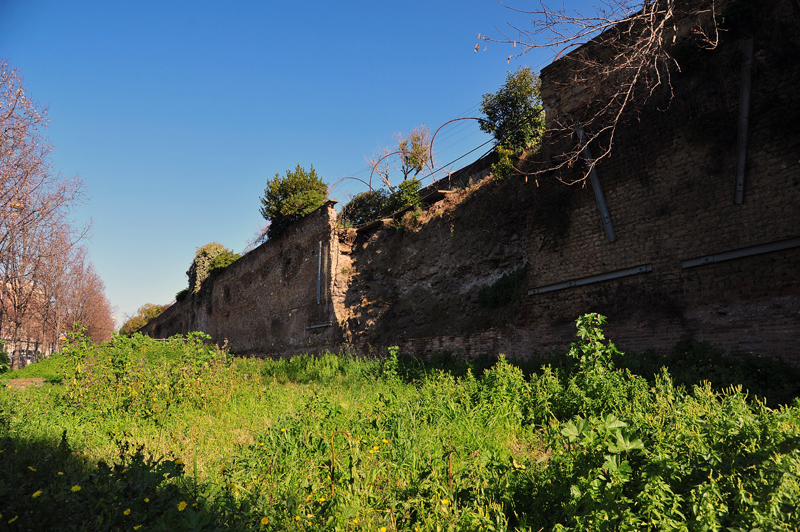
[201,265]
[222,261]
[365,207]
[146,312]
[288,199]
[406,195]
[377,204]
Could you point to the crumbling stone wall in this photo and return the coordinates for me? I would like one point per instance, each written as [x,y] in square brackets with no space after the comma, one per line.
[669,185]
[266,303]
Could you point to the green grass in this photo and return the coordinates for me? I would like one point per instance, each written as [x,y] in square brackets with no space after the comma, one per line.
[179,436]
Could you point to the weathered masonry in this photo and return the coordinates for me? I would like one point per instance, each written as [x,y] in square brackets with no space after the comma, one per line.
[277,299]
[696,232]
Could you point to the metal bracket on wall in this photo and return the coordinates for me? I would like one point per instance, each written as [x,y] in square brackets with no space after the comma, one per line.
[743,252]
[319,326]
[598,190]
[592,279]
[744,117]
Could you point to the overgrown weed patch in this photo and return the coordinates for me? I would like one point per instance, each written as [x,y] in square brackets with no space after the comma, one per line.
[179,436]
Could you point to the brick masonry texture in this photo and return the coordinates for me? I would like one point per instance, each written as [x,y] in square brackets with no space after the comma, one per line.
[669,184]
[263,303]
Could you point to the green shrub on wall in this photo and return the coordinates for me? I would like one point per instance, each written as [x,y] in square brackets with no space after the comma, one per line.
[201,265]
[406,195]
[146,312]
[366,207]
[290,198]
[222,261]
[503,291]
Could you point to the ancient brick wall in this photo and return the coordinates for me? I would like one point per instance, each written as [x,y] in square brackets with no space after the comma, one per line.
[669,185]
[266,303]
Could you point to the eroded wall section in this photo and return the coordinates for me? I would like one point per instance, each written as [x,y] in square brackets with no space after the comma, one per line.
[276,300]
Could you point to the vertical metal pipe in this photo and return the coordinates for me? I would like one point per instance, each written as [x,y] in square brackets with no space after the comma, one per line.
[598,190]
[319,274]
[744,116]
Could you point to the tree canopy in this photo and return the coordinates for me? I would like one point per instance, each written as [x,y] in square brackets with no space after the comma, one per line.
[289,198]
[514,113]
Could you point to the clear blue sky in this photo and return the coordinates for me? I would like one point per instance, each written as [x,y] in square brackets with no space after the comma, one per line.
[176,113]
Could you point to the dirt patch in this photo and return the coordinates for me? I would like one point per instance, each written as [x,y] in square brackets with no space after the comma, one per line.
[21,384]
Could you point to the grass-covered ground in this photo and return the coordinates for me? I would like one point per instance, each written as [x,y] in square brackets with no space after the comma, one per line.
[145,435]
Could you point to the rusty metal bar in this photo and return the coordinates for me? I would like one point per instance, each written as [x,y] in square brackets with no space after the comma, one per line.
[743,252]
[598,190]
[592,279]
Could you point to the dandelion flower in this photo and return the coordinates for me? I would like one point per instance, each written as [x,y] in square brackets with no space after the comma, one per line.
[322,499]
[36,494]
[283,430]
[297,518]
[60,473]
[127,512]
[181,506]
[376,448]
[385,441]
[264,521]
[178,462]
[371,451]
[75,488]
[146,499]
[355,521]
[445,501]
[383,529]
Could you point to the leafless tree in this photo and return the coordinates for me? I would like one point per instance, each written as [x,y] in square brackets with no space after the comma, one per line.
[619,57]
[45,278]
[378,163]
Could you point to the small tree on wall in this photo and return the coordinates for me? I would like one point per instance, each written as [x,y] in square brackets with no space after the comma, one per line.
[514,113]
[288,199]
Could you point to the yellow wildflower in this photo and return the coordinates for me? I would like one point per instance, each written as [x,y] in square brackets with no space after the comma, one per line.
[178,462]
[283,430]
[146,499]
[32,469]
[297,518]
[383,529]
[137,527]
[376,448]
[181,506]
[75,488]
[264,521]
[322,499]
[385,441]
[355,521]
[445,501]
[60,473]
[36,494]
[127,512]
